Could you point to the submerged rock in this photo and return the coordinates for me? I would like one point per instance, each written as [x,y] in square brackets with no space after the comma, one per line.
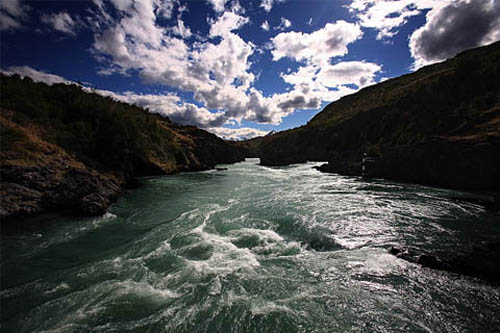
[480,262]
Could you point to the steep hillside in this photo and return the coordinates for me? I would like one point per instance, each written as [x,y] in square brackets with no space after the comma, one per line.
[437,126]
[66,149]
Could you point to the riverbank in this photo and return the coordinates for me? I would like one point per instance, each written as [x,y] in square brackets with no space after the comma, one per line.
[64,149]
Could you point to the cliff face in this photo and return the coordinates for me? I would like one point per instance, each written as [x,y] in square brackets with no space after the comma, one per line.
[63,149]
[438,126]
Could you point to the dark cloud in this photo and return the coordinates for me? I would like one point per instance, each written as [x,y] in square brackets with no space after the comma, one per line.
[190,115]
[300,102]
[454,28]
[296,102]
[12,14]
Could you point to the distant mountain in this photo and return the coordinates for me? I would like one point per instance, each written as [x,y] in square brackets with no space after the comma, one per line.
[63,148]
[438,126]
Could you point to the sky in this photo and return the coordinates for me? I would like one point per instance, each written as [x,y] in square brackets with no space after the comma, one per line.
[237,68]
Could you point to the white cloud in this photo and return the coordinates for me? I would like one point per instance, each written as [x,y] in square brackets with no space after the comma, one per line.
[241,133]
[35,75]
[102,15]
[125,5]
[12,14]
[217,72]
[166,8]
[316,78]
[330,82]
[268,4]
[172,106]
[265,25]
[348,72]
[62,22]
[387,16]
[318,46]
[181,30]
[218,5]
[227,23]
[454,28]
[284,24]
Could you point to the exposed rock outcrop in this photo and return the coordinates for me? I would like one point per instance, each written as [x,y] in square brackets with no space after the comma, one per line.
[38,177]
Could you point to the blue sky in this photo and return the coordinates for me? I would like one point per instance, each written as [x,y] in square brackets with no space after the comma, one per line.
[236,68]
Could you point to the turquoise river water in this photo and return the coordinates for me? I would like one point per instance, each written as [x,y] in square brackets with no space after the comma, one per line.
[250,249]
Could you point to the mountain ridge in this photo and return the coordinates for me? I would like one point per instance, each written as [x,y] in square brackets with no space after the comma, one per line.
[66,149]
[439,126]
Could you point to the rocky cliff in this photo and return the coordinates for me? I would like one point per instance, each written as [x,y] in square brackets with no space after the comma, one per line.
[64,149]
[438,126]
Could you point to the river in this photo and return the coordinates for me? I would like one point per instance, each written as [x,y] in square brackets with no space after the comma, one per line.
[250,249]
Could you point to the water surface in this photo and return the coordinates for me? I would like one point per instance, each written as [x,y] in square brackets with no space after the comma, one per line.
[250,249]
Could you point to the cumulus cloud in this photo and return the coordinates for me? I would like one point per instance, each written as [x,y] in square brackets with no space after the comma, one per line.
[12,13]
[318,46]
[387,16]
[348,72]
[172,106]
[181,30]
[317,78]
[227,23]
[284,24]
[268,4]
[61,22]
[217,71]
[453,28]
[218,5]
[241,133]
[329,82]
[35,75]
[265,25]
[165,8]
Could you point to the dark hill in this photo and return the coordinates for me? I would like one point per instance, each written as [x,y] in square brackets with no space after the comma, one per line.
[438,126]
[63,148]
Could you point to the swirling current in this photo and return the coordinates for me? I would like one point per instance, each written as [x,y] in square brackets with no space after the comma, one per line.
[250,249]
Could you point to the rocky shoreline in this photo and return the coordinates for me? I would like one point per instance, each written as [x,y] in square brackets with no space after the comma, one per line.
[456,164]
[29,191]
